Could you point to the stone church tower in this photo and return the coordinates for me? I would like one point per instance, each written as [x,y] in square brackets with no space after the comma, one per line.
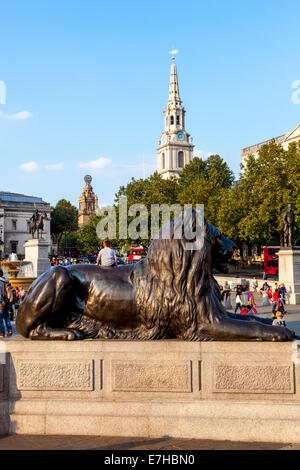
[175,148]
[88,202]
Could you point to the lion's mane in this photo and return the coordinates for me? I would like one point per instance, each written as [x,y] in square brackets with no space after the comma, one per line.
[175,292]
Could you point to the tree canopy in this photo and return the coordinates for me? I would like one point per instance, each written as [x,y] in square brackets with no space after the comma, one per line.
[247,211]
[64,220]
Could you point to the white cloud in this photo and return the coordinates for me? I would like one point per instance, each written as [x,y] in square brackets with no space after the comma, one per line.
[34,167]
[29,167]
[95,164]
[202,154]
[18,116]
[105,167]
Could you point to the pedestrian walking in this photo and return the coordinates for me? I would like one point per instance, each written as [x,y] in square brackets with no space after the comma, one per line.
[4,307]
[282,290]
[238,302]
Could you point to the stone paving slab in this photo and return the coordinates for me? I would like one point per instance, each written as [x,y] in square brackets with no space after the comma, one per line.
[35,442]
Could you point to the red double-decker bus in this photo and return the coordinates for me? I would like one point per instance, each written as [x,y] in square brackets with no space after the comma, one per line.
[136,254]
[271,263]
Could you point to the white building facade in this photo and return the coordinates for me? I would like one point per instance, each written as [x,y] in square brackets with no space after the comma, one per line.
[15,213]
[175,148]
[284,140]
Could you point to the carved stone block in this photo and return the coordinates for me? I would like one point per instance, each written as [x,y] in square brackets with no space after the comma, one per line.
[151,376]
[56,375]
[260,378]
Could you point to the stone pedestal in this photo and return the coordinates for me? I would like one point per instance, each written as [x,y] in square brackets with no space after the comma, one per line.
[36,251]
[289,272]
[210,390]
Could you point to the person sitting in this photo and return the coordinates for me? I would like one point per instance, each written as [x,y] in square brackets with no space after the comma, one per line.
[275,297]
[280,306]
[226,290]
[279,321]
[244,310]
[107,256]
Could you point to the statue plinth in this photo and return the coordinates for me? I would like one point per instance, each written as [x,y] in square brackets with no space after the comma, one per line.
[36,251]
[210,390]
[289,272]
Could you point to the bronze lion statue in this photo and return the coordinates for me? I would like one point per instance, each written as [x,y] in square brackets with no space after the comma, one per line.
[169,294]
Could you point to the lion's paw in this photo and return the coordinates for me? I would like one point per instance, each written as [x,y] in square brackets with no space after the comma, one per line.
[73,335]
[282,334]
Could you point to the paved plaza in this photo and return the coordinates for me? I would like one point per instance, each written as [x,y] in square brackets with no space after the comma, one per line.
[292,317]
[30,442]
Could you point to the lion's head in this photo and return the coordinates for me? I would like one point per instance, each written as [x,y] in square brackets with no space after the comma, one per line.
[177,273]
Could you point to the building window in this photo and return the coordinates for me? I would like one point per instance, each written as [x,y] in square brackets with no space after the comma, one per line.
[163,161]
[14,224]
[13,246]
[172,120]
[180,159]
[177,120]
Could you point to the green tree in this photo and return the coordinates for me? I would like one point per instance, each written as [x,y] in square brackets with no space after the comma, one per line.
[202,182]
[88,238]
[270,181]
[64,220]
[148,191]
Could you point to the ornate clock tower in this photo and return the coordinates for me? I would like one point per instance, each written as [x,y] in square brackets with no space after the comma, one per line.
[175,148]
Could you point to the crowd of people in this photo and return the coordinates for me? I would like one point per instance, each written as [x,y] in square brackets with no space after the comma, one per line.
[10,299]
[276,296]
[68,260]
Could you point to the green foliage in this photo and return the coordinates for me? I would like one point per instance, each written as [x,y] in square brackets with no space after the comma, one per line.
[268,184]
[88,238]
[149,191]
[203,182]
[64,220]
[250,211]
[71,239]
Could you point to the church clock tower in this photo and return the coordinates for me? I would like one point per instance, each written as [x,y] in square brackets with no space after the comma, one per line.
[175,148]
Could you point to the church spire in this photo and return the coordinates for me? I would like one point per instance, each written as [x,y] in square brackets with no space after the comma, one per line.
[174,97]
[175,148]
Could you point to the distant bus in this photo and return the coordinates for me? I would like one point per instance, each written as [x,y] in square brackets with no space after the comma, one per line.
[271,262]
[136,254]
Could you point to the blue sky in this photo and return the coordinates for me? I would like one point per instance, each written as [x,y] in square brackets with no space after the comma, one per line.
[87,82]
